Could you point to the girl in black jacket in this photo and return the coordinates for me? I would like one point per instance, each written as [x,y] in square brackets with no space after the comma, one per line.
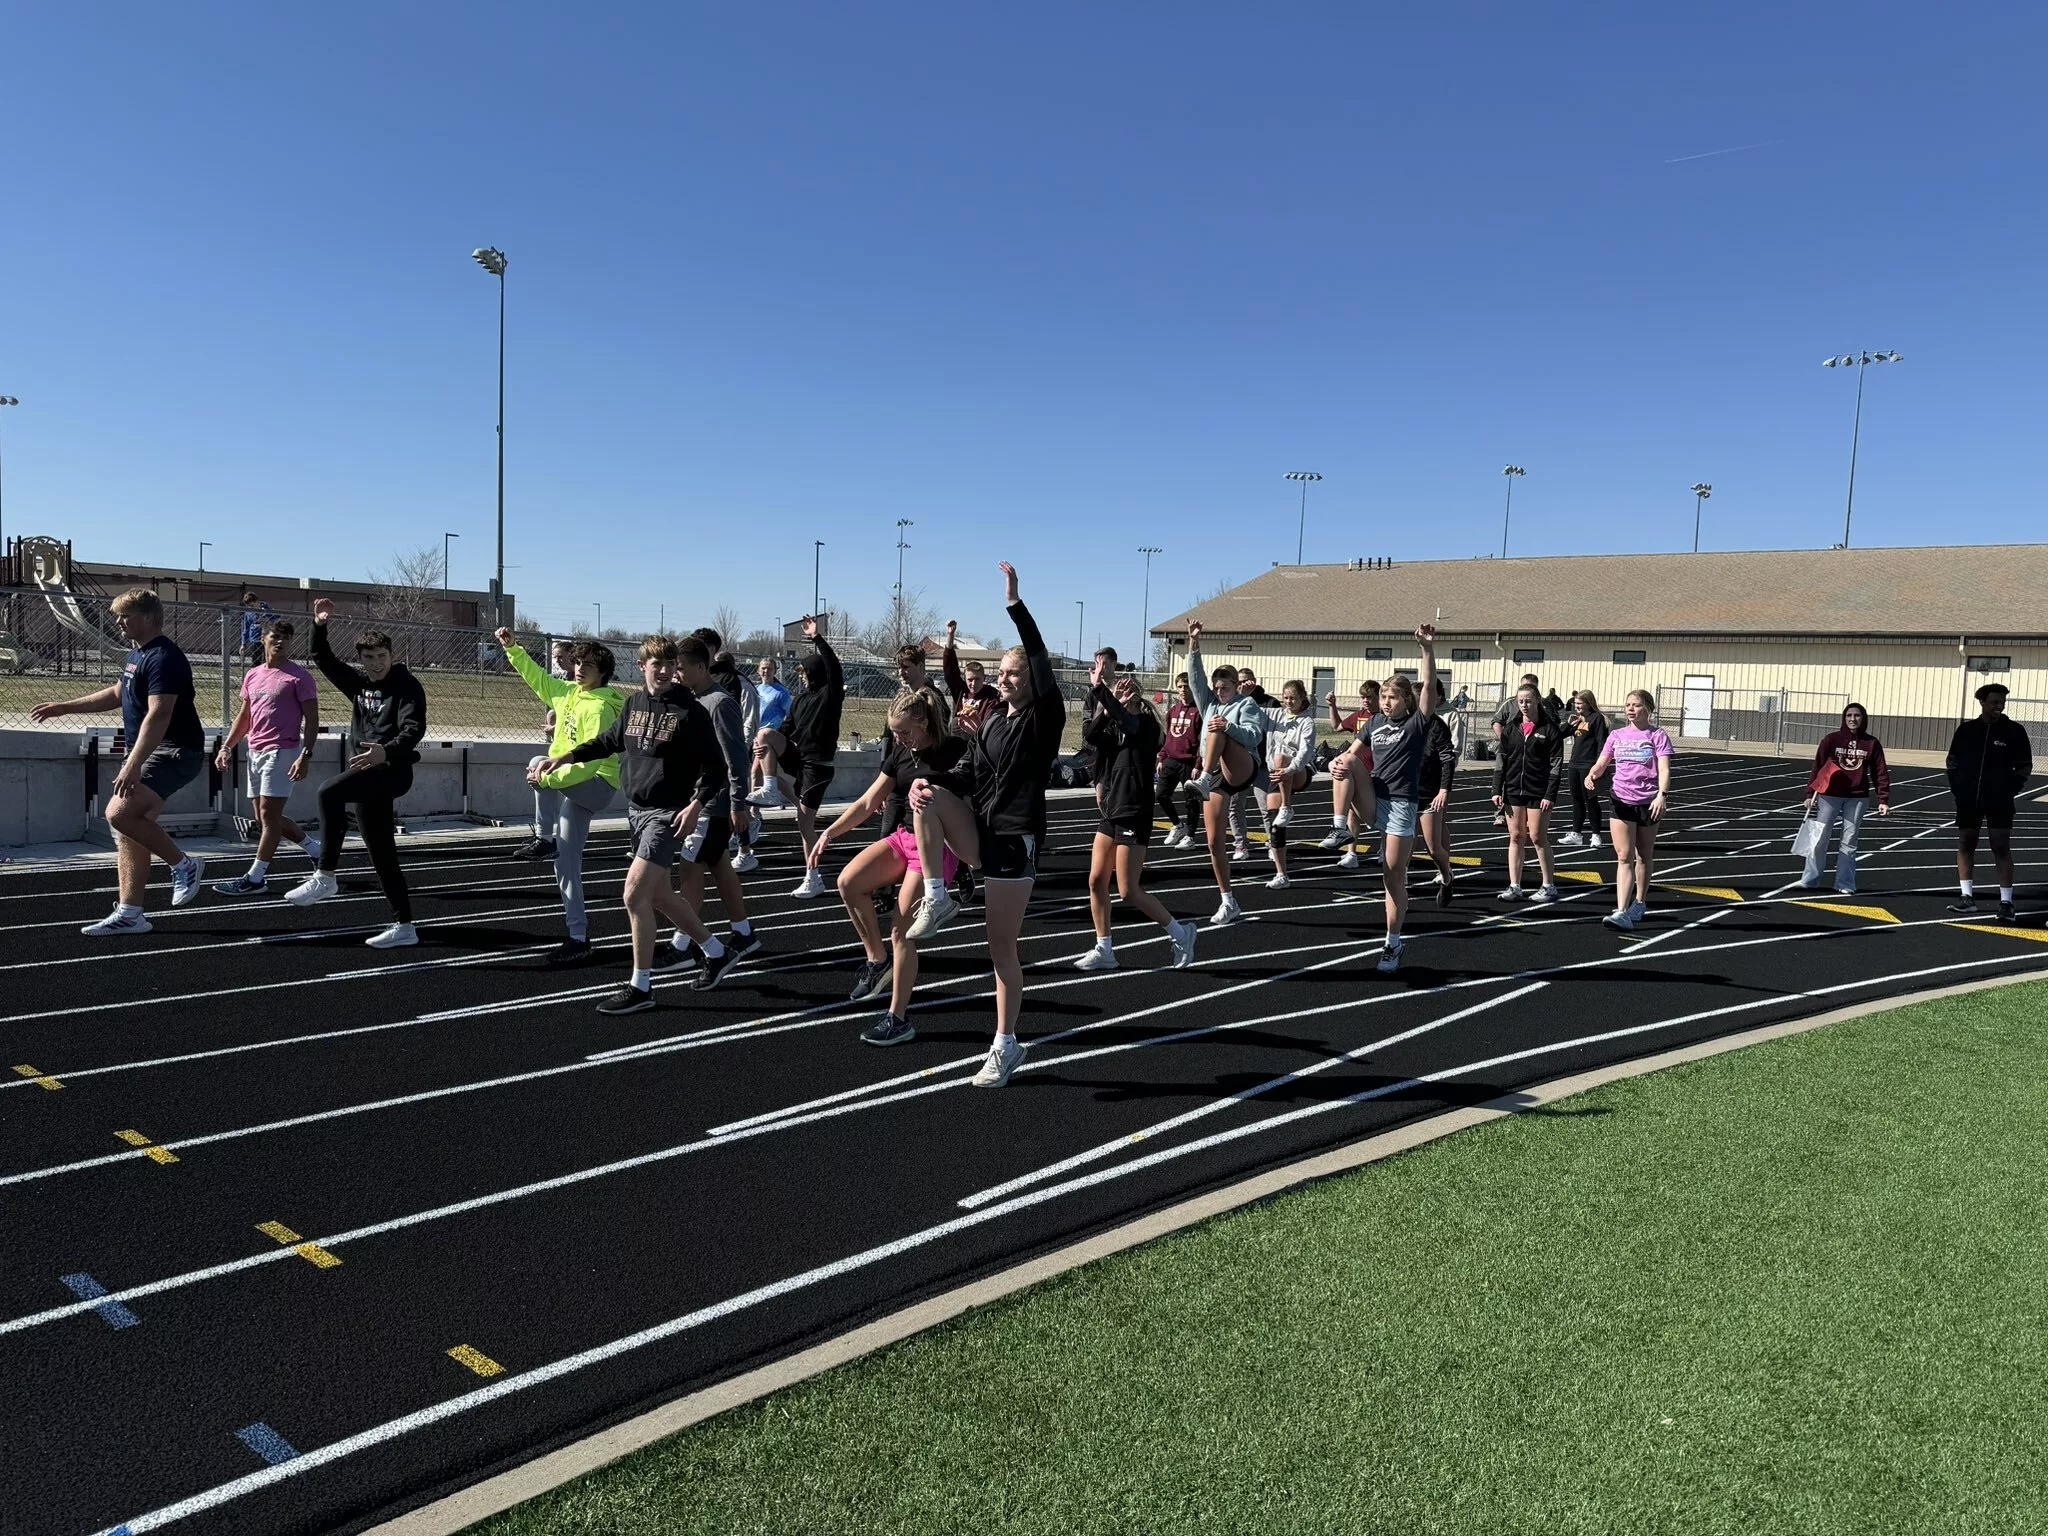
[1527,778]
[1587,727]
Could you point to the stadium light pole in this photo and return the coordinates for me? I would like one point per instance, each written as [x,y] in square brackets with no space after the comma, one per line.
[492,260]
[1700,494]
[599,631]
[1305,476]
[445,586]
[817,554]
[1859,361]
[204,546]
[1080,627]
[901,545]
[1513,472]
[4,401]
[1145,622]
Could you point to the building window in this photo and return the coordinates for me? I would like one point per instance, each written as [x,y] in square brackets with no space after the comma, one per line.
[1525,658]
[1990,663]
[1464,653]
[1630,658]
[1379,653]
[1240,650]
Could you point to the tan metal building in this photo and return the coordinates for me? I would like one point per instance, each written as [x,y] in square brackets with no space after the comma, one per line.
[1742,646]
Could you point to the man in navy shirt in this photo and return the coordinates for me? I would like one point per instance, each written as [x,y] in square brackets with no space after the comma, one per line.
[166,751]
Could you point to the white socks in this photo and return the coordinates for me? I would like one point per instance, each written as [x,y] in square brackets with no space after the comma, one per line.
[259,869]
[2005,894]
[712,948]
[643,981]
[123,909]
[1969,888]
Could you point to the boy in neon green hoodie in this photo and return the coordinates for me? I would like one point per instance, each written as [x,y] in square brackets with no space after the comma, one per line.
[565,800]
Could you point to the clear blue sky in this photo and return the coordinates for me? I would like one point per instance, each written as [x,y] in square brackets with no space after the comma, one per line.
[1054,280]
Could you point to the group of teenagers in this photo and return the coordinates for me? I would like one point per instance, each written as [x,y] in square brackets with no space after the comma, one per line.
[698,750]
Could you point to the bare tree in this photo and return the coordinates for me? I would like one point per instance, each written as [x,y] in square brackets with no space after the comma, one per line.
[915,618]
[726,620]
[408,590]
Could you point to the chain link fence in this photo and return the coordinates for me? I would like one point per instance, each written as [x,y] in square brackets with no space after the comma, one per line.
[1793,723]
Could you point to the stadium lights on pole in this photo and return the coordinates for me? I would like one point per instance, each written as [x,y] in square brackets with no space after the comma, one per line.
[901,545]
[1859,361]
[817,554]
[1513,472]
[599,631]
[444,558]
[1301,528]
[1145,622]
[5,400]
[1700,494]
[1080,627]
[492,260]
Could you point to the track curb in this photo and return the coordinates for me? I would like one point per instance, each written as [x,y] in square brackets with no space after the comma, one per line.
[457,1511]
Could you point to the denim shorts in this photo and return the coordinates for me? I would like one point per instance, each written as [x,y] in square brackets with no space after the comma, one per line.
[1396,818]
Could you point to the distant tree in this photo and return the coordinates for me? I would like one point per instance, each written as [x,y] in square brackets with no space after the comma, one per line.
[726,620]
[408,590]
[914,619]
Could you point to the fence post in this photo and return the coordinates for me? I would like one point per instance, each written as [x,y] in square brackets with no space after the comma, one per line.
[225,719]
[1784,703]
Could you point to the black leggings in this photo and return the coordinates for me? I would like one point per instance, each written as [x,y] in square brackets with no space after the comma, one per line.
[1585,802]
[372,791]
[1174,772]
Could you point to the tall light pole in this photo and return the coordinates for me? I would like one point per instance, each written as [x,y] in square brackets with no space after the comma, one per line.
[901,545]
[492,260]
[599,632]
[1080,627]
[1145,624]
[4,400]
[817,554]
[1700,494]
[1301,528]
[445,586]
[1859,361]
[204,546]
[1513,472]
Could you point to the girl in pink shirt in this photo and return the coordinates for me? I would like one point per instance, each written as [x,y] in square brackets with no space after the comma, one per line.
[1640,755]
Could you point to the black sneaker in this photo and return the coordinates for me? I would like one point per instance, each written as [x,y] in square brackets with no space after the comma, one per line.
[2006,913]
[1967,906]
[628,999]
[714,970]
[872,980]
[963,886]
[888,1030]
[667,958]
[538,848]
[568,952]
[1443,891]
[742,944]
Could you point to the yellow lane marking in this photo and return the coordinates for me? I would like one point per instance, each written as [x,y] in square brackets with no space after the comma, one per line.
[40,1079]
[1465,858]
[1718,892]
[2008,931]
[133,1138]
[160,1154]
[315,1255]
[1583,876]
[1872,914]
[278,1230]
[477,1361]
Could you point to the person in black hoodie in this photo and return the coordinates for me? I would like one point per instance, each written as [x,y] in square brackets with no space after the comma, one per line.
[1527,778]
[1989,763]
[389,718]
[803,750]
[1586,724]
[1439,769]
[1126,734]
[990,810]
[671,768]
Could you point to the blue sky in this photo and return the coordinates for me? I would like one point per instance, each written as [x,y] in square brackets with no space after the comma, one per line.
[1053,280]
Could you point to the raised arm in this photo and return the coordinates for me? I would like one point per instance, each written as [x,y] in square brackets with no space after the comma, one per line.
[1426,693]
[538,678]
[835,676]
[346,679]
[949,664]
[1198,674]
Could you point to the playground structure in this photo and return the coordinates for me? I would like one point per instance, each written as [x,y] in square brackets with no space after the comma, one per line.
[55,617]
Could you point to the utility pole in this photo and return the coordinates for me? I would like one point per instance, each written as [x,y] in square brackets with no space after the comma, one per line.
[1145,623]
[1860,361]
[901,545]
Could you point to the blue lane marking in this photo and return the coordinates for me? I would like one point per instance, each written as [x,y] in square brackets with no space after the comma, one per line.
[266,1442]
[112,1313]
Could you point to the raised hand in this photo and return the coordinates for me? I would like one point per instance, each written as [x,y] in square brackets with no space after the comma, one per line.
[1009,582]
[1194,633]
[810,625]
[1095,673]
[503,636]
[323,609]
[952,629]
[1426,633]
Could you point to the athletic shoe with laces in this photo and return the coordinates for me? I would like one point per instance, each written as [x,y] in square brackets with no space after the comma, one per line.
[888,1030]
[1338,838]
[934,910]
[1350,859]
[746,863]
[770,795]
[185,880]
[1227,913]
[2006,914]
[676,955]
[1202,784]
[535,848]
[1511,893]
[1592,839]
[1003,1057]
[1100,958]
[743,944]
[1545,893]
[714,970]
[1639,910]
[1174,839]
[1240,850]
[1182,936]
[311,847]
[1444,891]
[1571,840]
[318,886]
[628,999]
[397,936]
[1279,882]
[1967,906]
[1283,816]
[1845,890]
[811,886]
[1390,956]
[870,981]
[568,952]
[114,923]
[241,885]
[1625,919]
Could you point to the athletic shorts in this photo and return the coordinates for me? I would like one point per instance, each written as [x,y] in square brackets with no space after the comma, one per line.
[1634,813]
[1009,856]
[169,769]
[813,778]
[1126,832]
[1396,818]
[651,835]
[1524,802]
[1972,814]
[1306,770]
[904,841]
[270,772]
[708,841]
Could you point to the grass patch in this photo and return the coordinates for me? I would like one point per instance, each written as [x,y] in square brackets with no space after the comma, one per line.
[1794,1288]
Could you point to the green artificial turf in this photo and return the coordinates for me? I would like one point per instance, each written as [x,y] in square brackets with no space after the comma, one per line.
[1797,1288]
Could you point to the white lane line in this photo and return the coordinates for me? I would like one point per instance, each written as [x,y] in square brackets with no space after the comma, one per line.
[1217,1106]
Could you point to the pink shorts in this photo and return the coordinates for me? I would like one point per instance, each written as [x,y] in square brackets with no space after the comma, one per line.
[904,841]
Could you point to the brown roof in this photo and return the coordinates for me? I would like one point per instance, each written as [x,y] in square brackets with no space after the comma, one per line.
[1965,589]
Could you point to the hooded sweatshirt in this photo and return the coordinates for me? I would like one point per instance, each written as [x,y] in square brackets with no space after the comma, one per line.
[1243,717]
[1989,759]
[1126,742]
[581,714]
[667,750]
[1849,764]
[390,712]
[812,726]
[1010,757]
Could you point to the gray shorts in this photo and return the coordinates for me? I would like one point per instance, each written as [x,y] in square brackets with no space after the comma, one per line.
[169,769]
[652,835]
[270,772]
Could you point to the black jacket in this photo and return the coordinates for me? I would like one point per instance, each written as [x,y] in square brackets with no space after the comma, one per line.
[1530,766]
[667,749]
[813,723]
[390,713]
[1010,758]
[1989,758]
[1586,744]
[1126,743]
[1439,758]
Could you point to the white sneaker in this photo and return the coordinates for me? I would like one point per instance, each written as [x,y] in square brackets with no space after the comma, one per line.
[311,847]
[1100,958]
[185,880]
[1339,836]
[746,863]
[1171,840]
[1003,1057]
[1227,912]
[114,923]
[1592,839]
[1279,882]
[317,886]
[1639,910]
[1183,936]
[769,794]
[397,936]
[1240,850]
[811,886]
[1283,816]
[1203,784]
[1511,893]
[1545,893]
[934,910]
[1350,859]
[1571,840]
[1625,919]
[1390,957]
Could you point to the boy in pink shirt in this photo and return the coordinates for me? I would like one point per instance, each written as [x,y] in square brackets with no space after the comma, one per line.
[280,719]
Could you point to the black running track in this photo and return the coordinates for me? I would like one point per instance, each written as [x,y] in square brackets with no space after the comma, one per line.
[299,1234]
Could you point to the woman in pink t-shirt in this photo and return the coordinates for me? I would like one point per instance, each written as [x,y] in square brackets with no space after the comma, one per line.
[1640,755]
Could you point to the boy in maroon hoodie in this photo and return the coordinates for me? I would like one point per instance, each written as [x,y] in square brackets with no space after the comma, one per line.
[1847,765]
